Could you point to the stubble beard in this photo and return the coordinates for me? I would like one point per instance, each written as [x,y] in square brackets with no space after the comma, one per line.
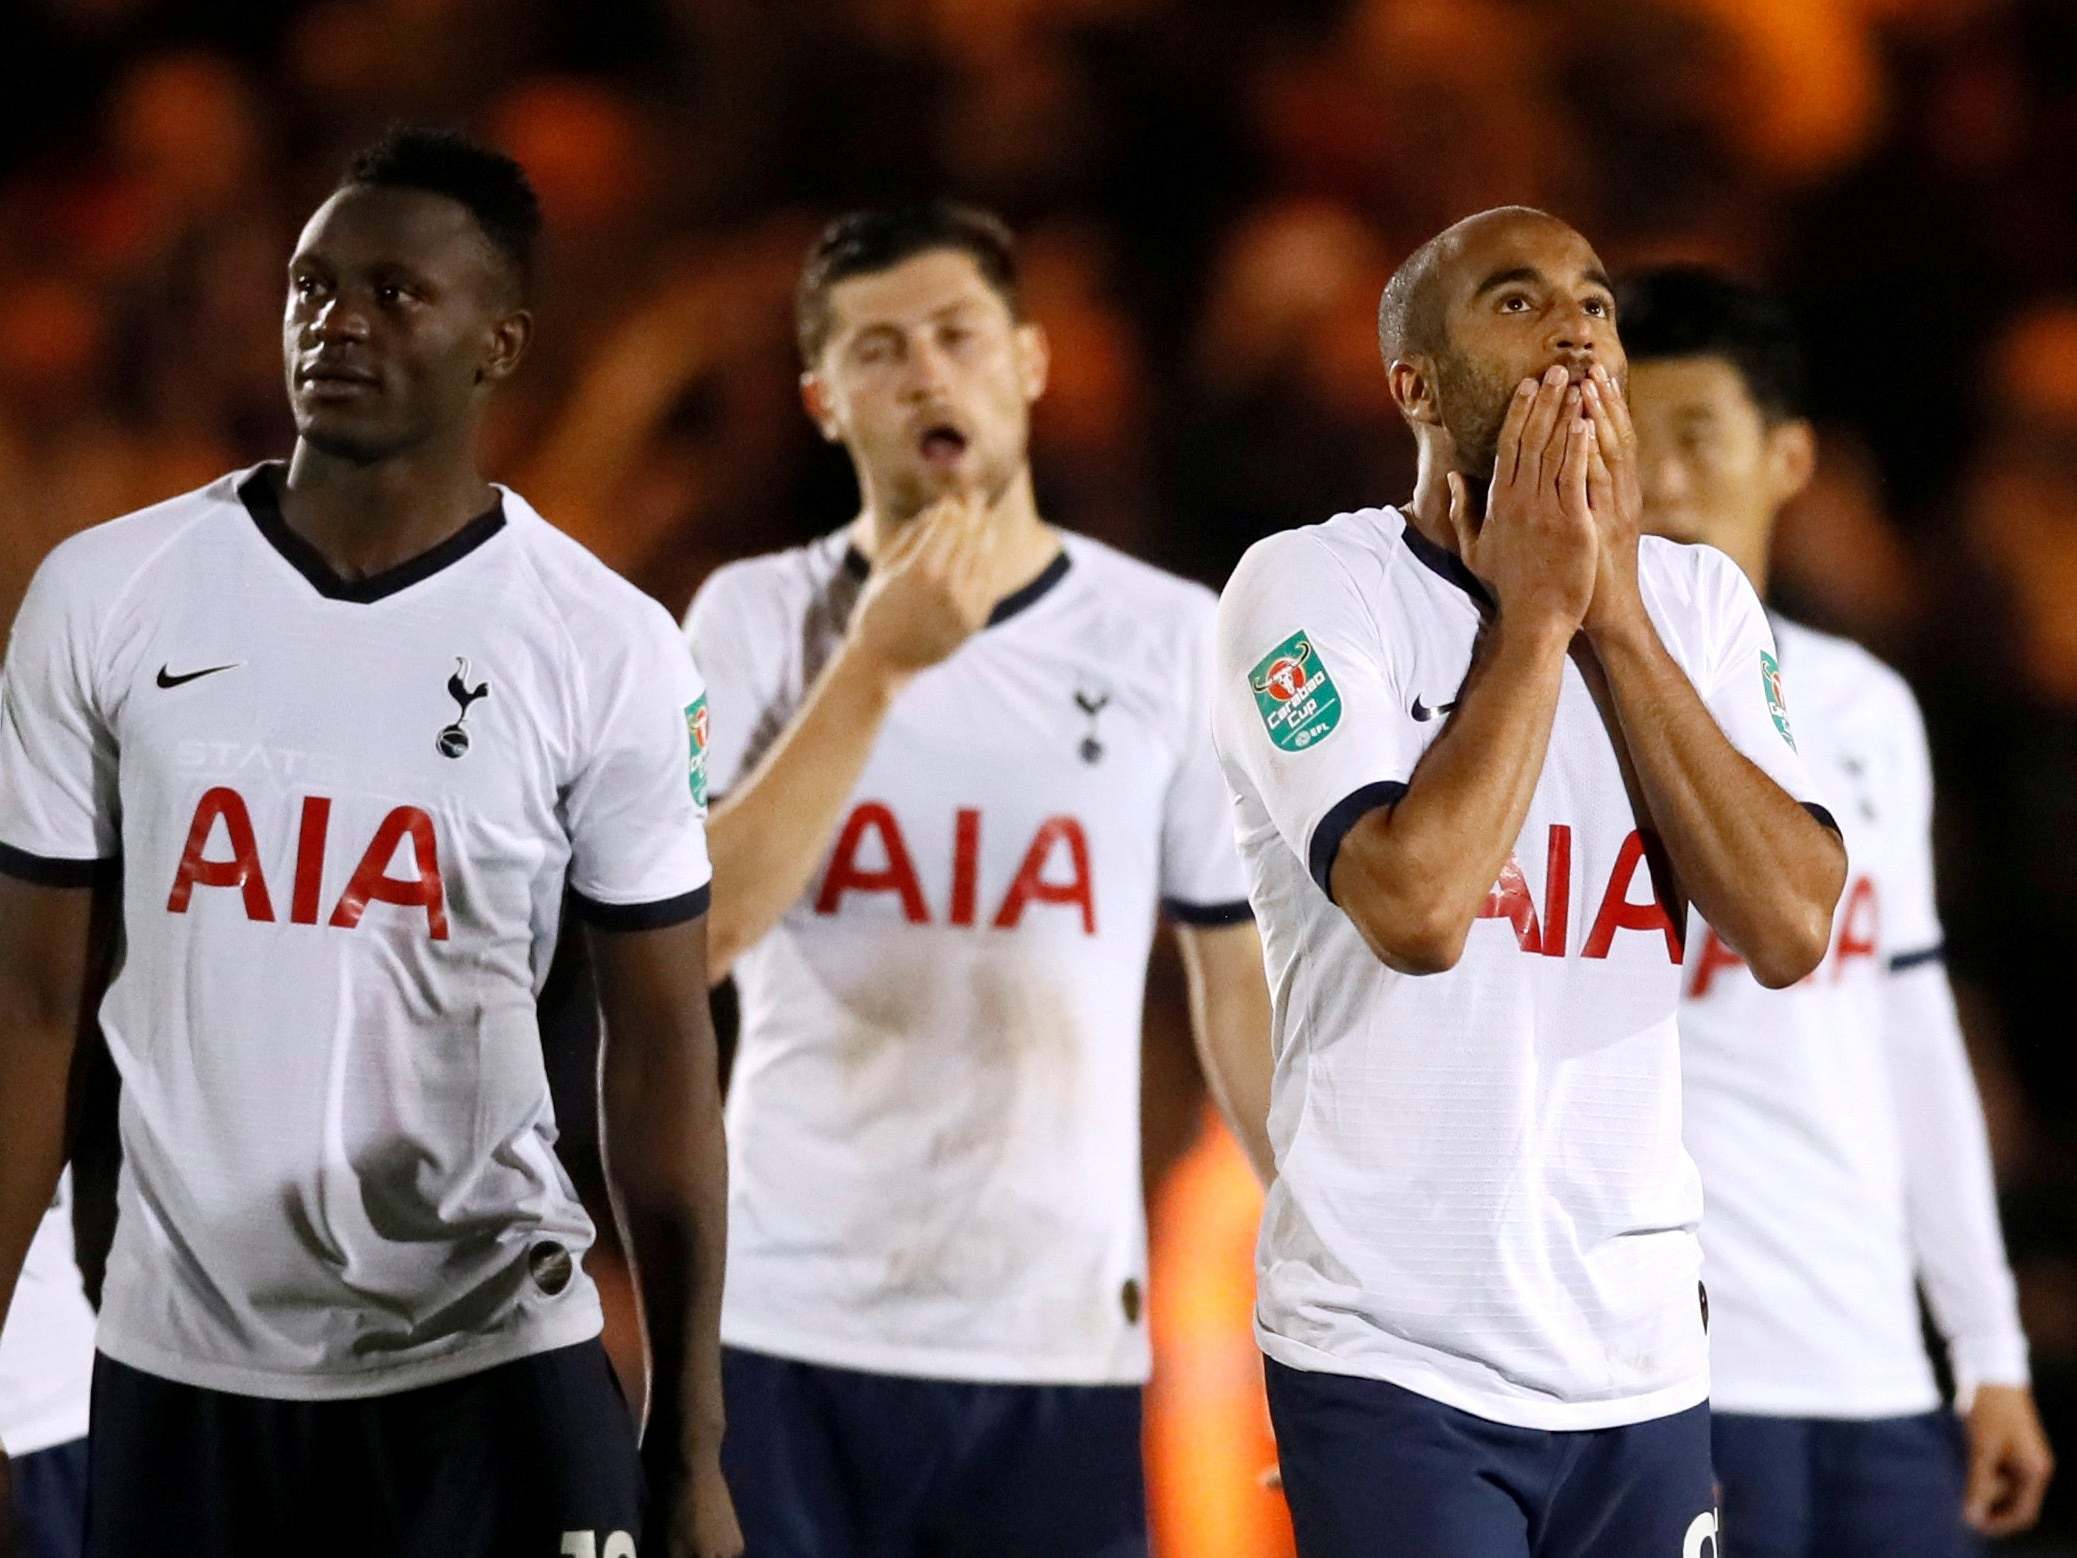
[1473,404]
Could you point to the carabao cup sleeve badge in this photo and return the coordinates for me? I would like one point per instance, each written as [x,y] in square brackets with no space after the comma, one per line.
[696,743]
[1295,696]
[1777,700]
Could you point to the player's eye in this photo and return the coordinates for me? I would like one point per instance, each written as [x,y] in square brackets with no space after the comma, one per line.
[303,286]
[1599,308]
[1514,303]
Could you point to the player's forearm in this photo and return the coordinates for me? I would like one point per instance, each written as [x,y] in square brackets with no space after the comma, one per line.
[667,1167]
[1413,876]
[1229,1016]
[1951,1207]
[1761,869]
[36,1046]
[768,834]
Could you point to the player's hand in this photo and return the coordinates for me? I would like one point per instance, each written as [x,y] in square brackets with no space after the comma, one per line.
[702,1516]
[1615,495]
[931,591]
[2009,1461]
[1536,547]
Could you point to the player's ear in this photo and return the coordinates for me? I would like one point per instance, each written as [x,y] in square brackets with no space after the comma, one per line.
[1412,382]
[1791,458]
[816,400]
[1034,359]
[509,337]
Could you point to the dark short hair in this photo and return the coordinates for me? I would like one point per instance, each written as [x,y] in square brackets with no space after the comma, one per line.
[1691,311]
[861,243]
[446,162]
[1410,315]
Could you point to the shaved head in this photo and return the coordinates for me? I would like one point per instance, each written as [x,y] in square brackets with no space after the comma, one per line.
[1413,316]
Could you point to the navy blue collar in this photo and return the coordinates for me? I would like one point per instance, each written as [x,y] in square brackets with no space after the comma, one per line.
[263,503]
[1445,563]
[858,565]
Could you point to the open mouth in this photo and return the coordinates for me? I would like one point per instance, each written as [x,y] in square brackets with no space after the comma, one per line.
[942,445]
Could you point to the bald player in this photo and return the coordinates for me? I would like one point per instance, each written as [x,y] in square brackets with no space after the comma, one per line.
[1485,748]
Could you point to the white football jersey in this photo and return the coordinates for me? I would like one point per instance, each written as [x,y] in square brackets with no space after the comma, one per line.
[1801,1102]
[47,1346]
[1481,1193]
[934,1116]
[346,813]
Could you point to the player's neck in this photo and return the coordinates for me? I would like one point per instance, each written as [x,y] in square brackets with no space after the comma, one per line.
[365,519]
[1428,511]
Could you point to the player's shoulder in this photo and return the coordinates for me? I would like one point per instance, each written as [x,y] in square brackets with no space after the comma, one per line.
[1144,587]
[1851,675]
[1693,570]
[107,556]
[1359,544]
[782,583]
[595,606]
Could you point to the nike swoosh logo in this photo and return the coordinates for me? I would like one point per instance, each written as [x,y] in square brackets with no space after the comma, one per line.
[166,679]
[1422,713]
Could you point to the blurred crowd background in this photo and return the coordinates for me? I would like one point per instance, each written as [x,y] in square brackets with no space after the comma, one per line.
[1211,194]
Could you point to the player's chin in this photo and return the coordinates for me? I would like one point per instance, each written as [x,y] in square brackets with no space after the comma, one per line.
[357,440]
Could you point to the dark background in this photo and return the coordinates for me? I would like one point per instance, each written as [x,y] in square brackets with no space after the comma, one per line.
[1212,193]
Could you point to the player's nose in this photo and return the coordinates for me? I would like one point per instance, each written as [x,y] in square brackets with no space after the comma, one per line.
[1576,335]
[339,320]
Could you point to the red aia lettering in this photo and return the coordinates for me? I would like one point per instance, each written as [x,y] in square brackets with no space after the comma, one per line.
[371,880]
[1618,912]
[1033,882]
[241,871]
[898,876]
[1032,885]
[1859,923]
[1509,900]
[1716,956]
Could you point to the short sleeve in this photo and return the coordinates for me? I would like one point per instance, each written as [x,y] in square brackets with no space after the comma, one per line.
[59,812]
[1202,882]
[637,810]
[722,646]
[1746,689]
[1910,907]
[1306,710]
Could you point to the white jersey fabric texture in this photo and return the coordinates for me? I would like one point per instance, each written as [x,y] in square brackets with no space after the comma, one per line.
[1836,1123]
[1482,1194]
[345,814]
[934,1115]
[47,1346]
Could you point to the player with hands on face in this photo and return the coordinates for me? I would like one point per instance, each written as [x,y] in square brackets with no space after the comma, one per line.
[1484,749]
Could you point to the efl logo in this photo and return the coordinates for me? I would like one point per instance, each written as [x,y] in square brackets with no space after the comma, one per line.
[370,882]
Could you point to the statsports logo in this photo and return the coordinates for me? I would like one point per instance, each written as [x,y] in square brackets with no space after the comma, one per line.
[1295,696]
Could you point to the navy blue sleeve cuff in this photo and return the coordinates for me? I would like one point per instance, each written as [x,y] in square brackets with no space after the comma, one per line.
[1344,815]
[48,871]
[1825,818]
[1188,913]
[641,916]
[1924,955]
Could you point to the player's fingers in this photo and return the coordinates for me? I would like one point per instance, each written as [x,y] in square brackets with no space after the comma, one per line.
[1982,1491]
[1575,461]
[1507,448]
[2027,1469]
[1538,456]
[1618,404]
